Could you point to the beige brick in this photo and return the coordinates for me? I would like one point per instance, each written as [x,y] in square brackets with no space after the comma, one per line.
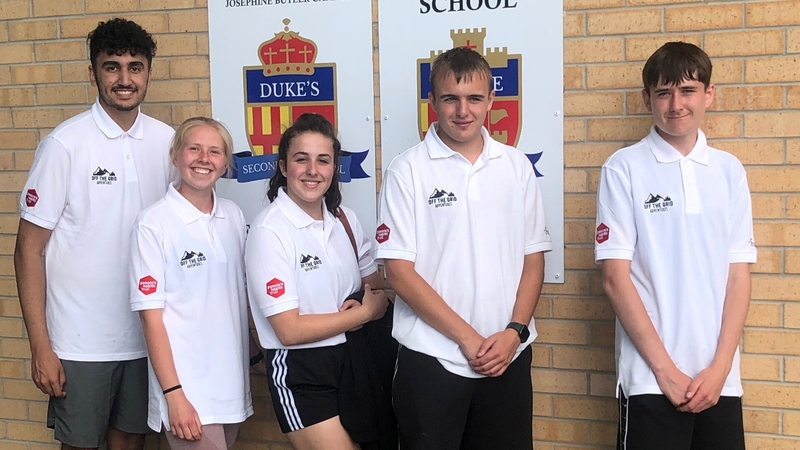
[588,155]
[602,334]
[5,119]
[78,27]
[5,76]
[580,207]
[634,103]
[577,231]
[791,316]
[34,74]
[562,332]
[11,140]
[6,163]
[43,8]
[624,21]
[771,395]
[64,94]
[656,2]
[693,18]
[75,72]
[176,44]
[579,258]
[773,342]
[792,369]
[30,30]
[9,307]
[37,118]
[27,431]
[764,315]
[559,381]
[771,14]
[793,207]
[755,442]
[60,51]
[15,53]
[543,308]
[614,76]
[793,96]
[541,356]
[761,421]
[166,4]
[152,22]
[110,6]
[594,181]
[728,70]
[739,98]
[160,70]
[593,103]
[619,129]
[15,9]
[753,151]
[583,358]
[202,44]
[793,40]
[574,180]
[574,24]
[575,283]
[573,77]
[591,4]
[792,261]
[10,368]
[37,411]
[11,327]
[53,446]
[639,48]
[772,69]
[188,21]
[204,90]
[744,43]
[560,430]
[542,404]
[777,233]
[584,408]
[584,308]
[767,287]
[767,207]
[791,423]
[8,445]
[164,91]
[602,385]
[769,261]
[593,50]
[23,160]
[574,130]
[13,409]
[197,67]
[160,112]
[22,389]
[774,180]
[183,112]
[723,126]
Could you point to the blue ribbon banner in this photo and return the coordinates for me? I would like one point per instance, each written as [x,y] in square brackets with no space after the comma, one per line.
[534,158]
[248,168]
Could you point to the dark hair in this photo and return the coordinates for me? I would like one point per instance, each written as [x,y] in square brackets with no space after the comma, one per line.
[309,123]
[119,36]
[674,63]
[463,63]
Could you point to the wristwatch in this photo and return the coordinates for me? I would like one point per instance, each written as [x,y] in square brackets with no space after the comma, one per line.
[522,330]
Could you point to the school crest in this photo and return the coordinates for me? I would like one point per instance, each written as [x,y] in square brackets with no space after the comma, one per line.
[504,121]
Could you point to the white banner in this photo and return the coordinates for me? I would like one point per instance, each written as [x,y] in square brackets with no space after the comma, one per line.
[272,60]
[523,42]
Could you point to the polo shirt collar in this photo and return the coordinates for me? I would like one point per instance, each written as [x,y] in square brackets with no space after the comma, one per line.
[296,215]
[187,211]
[110,128]
[665,153]
[438,149]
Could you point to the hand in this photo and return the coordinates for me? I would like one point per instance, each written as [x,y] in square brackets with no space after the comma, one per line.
[674,384]
[471,347]
[705,389]
[183,419]
[351,304]
[375,301]
[48,373]
[496,353]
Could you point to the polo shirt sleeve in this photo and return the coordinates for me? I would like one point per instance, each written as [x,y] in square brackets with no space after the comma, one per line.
[147,269]
[615,232]
[366,263]
[396,234]
[740,220]
[537,238]
[45,194]
[271,277]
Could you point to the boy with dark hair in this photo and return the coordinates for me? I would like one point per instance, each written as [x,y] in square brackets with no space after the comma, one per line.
[90,178]
[675,238]
[463,237]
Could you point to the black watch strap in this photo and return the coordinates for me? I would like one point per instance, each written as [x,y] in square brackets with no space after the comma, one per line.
[521,329]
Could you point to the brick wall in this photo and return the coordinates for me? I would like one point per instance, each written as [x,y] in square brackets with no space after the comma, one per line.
[755,47]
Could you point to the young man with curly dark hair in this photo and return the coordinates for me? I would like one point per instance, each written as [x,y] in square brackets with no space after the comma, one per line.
[90,178]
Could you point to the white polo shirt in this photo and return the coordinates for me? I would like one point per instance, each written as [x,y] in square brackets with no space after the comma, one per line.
[681,221]
[191,265]
[88,181]
[296,262]
[467,228]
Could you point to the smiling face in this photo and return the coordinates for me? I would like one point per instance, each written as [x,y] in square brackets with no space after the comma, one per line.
[462,109]
[678,111]
[309,170]
[201,160]
[121,82]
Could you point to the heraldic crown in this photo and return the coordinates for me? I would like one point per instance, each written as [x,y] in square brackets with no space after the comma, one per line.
[288,53]
[473,38]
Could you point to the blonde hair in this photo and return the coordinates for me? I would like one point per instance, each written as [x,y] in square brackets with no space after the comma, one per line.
[188,124]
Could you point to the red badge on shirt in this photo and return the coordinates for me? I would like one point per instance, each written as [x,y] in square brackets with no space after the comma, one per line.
[602,233]
[275,288]
[148,285]
[382,233]
[31,197]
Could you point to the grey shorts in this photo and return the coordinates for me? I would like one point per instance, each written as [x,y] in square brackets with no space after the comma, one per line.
[100,395]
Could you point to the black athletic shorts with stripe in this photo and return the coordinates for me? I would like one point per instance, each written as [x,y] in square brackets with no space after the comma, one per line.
[304,384]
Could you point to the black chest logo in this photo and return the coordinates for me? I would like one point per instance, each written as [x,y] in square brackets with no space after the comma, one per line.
[192,259]
[441,198]
[657,204]
[310,262]
[103,176]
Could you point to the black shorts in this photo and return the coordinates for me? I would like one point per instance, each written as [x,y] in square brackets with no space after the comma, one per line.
[439,410]
[651,422]
[304,384]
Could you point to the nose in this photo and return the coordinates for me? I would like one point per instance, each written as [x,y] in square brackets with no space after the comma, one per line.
[461,108]
[675,103]
[312,167]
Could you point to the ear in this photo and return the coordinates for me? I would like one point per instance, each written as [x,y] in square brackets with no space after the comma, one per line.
[711,93]
[92,77]
[646,100]
[491,99]
[431,98]
[282,167]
